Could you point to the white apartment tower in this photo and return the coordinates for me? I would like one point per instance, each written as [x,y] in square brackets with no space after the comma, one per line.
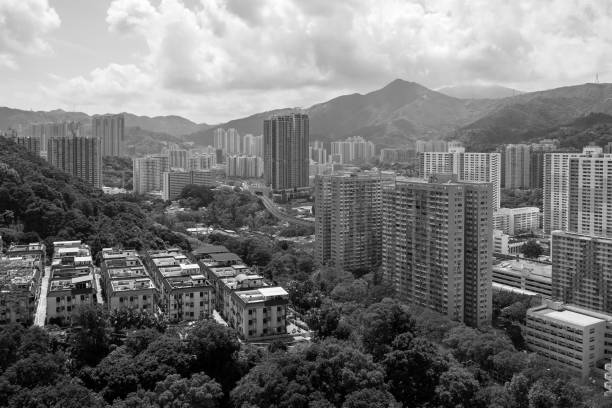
[470,167]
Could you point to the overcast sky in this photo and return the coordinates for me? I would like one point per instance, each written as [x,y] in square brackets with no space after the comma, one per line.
[215,60]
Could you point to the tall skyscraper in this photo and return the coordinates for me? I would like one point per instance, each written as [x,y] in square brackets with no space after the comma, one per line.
[32,144]
[286,162]
[582,270]
[348,222]
[590,195]
[244,166]
[111,130]
[478,167]
[556,187]
[79,156]
[515,166]
[437,245]
[252,145]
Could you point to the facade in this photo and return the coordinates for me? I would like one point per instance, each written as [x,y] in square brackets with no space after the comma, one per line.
[471,167]
[318,152]
[582,270]
[148,173]
[175,181]
[513,221]
[252,145]
[348,222]
[32,144]
[72,282]
[590,195]
[515,166]
[354,149]
[110,129]
[32,250]
[125,281]
[20,278]
[431,146]
[184,293]
[570,336]
[202,161]
[388,155]
[525,275]
[505,244]
[556,187]
[286,161]
[437,246]
[79,156]
[177,158]
[229,141]
[244,166]
[259,313]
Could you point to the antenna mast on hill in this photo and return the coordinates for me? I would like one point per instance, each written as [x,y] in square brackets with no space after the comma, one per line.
[597,78]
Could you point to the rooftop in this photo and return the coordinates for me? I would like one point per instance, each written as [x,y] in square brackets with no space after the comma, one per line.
[261,294]
[210,249]
[132,284]
[524,268]
[567,316]
[225,256]
[518,210]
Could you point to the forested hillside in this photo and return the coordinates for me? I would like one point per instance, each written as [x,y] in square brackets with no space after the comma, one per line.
[40,201]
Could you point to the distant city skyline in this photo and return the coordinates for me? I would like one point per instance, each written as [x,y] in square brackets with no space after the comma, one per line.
[212,61]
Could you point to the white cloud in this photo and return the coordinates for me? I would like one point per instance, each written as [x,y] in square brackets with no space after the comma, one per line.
[224,58]
[23,27]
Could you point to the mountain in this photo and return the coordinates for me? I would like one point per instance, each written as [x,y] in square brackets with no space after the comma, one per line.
[518,118]
[394,115]
[171,125]
[14,118]
[478,91]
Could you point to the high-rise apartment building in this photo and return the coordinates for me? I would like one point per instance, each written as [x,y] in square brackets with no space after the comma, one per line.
[244,166]
[515,166]
[437,246]
[513,221]
[472,167]
[147,174]
[590,195]
[202,161]
[32,144]
[582,270]
[252,145]
[286,162]
[348,225]
[556,187]
[318,152]
[536,161]
[79,156]
[227,140]
[110,129]
[354,149]
[431,146]
[388,155]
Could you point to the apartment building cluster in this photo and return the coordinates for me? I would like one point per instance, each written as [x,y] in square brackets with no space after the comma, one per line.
[21,271]
[71,282]
[171,170]
[432,237]
[250,305]
[522,165]
[75,147]
[354,149]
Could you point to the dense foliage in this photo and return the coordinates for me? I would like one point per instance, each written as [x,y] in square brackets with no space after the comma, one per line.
[117,172]
[513,198]
[40,201]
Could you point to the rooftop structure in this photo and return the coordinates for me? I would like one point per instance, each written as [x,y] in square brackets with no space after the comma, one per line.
[523,274]
[19,288]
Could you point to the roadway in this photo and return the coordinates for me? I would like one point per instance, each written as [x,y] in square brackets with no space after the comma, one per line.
[275,211]
[41,307]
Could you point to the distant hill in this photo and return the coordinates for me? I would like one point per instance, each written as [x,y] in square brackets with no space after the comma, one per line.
[478,91]
[396,114]
[172,125]
[518,118]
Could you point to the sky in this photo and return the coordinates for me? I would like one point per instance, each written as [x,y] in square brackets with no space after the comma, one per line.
[216,60]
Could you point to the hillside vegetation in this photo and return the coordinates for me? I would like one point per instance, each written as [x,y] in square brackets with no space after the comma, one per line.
[38,200]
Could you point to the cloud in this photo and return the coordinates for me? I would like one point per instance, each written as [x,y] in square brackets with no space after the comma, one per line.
[222,58]
[23,27]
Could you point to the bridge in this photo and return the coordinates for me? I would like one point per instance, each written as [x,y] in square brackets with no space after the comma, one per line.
[275,211]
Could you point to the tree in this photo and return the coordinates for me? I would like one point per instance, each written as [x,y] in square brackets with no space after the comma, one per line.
[413,368]
[10,340]
[531,249]
[35,370]
[456,389]
[90,339]
[64,394]
[382,323]
[176,391]
[540,396]
[369,398]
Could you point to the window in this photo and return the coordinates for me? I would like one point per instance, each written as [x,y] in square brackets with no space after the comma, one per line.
[201,303]
[82,297]
[201,294]
[144,297]
[57,300]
